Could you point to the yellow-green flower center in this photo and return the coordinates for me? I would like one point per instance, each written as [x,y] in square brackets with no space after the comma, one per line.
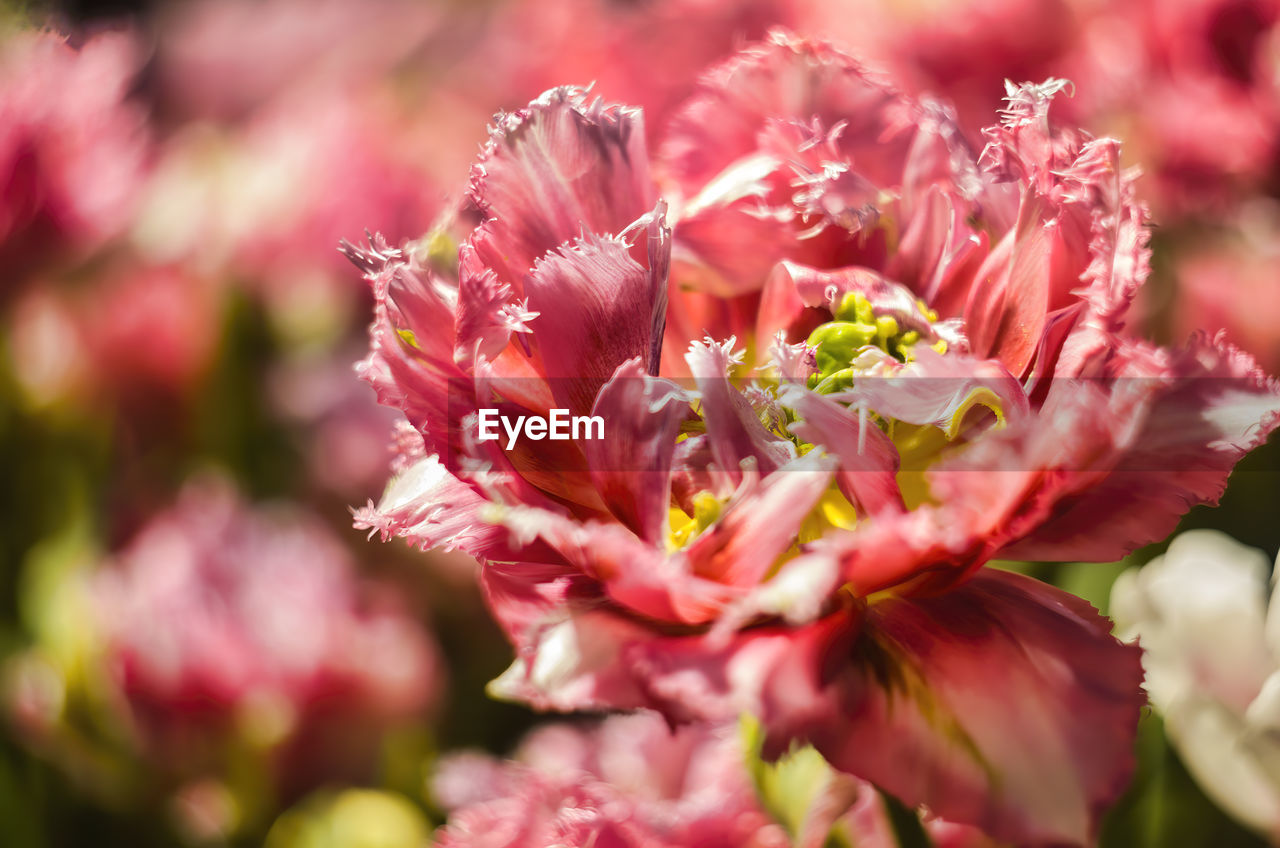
[855,327]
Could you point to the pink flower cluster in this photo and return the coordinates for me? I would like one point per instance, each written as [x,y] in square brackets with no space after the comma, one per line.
[845,361]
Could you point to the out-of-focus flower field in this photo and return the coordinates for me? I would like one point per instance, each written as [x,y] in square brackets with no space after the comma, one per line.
[205,642]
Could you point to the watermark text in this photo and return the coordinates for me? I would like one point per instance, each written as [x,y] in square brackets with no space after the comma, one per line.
[559,426]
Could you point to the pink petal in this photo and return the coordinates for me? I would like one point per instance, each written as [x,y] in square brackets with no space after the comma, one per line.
[1006,309]
[559,168]
[1118,247]
[734,432]
[631,466]
[760,523]
[638,576]
[1205,407]
[939,254]
[868,460]
[430,508]
[597,308]
[410,363]
[929,547]
[563,661]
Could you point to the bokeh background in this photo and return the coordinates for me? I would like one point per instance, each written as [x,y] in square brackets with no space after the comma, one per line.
[196,648]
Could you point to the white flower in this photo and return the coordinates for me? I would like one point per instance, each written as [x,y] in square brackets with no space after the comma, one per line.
[1212,658]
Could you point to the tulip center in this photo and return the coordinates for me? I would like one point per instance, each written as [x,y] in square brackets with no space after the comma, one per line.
[855,330]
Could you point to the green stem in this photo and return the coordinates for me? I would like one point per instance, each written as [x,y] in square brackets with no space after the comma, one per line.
[908,831]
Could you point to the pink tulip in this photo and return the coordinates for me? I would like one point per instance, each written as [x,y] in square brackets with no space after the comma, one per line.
[915,363]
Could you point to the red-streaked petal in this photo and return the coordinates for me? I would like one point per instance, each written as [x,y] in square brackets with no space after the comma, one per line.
[1006,308]
[1012,708]
[1004,704]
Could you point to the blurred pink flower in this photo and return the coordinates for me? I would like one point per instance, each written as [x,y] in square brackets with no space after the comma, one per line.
[138,332]
[1225,280]
[1164,74]
[949,383]
[344,437]
[961,51]
[150,326]
[629,781]
[221,621]
[73,147]
[264,201]
[647,55]
[1191,86]
[225,59]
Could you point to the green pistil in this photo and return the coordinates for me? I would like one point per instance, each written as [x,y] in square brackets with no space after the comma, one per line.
[837,343]
[855,307]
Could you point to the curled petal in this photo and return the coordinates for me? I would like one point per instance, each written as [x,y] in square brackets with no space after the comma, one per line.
[631,466]
[430,508]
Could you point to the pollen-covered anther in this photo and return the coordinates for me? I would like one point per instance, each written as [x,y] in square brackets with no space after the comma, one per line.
[684,528]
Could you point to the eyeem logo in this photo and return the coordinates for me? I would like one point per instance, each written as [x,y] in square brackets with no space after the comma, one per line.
[560,426]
